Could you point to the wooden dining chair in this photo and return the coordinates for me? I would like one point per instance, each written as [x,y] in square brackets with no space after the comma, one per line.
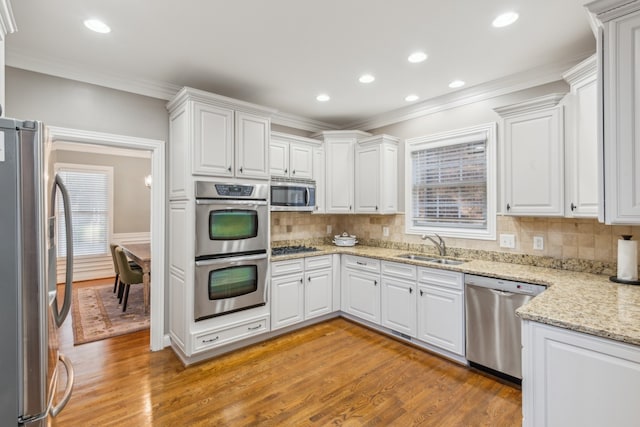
[128,276]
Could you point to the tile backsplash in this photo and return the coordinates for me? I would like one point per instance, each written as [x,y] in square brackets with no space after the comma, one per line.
[564,239]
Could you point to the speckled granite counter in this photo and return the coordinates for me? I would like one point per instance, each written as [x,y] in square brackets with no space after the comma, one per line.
[582,302]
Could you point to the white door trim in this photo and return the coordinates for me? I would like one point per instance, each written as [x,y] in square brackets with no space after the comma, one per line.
[158,203]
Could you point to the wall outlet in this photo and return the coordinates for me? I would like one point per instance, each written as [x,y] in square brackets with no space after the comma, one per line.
[538,243]
[385,231]
[507,241]
[329,229]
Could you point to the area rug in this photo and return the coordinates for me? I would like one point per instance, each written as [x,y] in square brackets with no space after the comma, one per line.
[97,315]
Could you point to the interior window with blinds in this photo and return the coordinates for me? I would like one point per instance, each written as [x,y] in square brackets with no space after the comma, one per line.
[451,183]
[90,211]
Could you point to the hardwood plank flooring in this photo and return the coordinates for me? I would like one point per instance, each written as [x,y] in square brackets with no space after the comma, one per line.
[334,373]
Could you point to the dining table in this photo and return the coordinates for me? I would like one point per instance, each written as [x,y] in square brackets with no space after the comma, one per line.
[140,253]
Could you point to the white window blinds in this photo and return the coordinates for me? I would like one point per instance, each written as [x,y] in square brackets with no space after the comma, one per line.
[89,193]
[449,186]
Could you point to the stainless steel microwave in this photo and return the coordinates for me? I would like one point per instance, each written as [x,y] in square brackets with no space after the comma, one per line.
[293,194]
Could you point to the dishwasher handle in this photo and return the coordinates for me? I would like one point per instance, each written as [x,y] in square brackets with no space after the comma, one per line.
[501,293]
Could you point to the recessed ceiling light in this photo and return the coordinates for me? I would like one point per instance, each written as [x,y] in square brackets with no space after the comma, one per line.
[505,19]
[456,83]
[97,26]
[366,78]
[411,98]
[323,97]
[416,57]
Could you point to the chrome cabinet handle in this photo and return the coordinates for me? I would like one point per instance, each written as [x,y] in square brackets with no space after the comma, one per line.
[361,263]
[410,290]
[375,283]
[421,292]
[508,207]
[211,340]
[240,169]
[254,328]
[573,207]
[286,170]
[293,172]
[229,168]
[301,280]
[309,279]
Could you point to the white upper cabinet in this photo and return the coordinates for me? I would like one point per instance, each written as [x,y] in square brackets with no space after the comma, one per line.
[252,145]
[376,175]
[581,141]
[319,178]
[533,157]
[619,109]
[291,156]
[212,135]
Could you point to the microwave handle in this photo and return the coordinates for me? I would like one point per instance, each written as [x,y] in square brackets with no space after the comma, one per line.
[228,260]
[308,196]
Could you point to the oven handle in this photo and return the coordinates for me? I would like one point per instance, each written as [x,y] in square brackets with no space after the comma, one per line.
[231,202]
[230,260]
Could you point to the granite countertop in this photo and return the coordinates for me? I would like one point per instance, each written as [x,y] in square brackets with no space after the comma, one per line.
[582,302]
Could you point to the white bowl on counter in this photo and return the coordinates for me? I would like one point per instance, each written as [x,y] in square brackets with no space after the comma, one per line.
[344,243]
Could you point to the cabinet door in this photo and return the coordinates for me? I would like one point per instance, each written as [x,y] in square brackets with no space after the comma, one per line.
[534,163]
[287,300]
[212,140]
[399,305]
[301,161]
[621,120]
[252,146]
[279,158]
[318,176]
[389,182]
[574,379]
[367,179]
[339,177]
[361,294]
[441,318]
[582,150]
[318,295]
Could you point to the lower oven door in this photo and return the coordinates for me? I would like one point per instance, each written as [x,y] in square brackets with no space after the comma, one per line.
[225,285]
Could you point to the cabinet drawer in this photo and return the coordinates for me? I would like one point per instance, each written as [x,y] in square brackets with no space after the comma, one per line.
[290,266]
[315,262]
[207,340]
[397,269]
[361,263]
[434,276]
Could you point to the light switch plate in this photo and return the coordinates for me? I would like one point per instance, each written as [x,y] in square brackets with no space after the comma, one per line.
[385,231]
[507,241]
[329,229]
[538,243]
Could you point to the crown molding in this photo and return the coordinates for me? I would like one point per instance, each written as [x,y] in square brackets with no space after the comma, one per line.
[299,122]
[512,83]
[606,10]
[66,70]
[189,93]
[546,101]
[7,20]
[286,137]
[101,149]
[586,69]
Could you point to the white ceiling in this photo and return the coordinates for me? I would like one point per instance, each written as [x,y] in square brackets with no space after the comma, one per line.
[282,53]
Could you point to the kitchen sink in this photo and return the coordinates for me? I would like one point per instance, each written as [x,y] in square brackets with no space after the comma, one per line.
[444,261]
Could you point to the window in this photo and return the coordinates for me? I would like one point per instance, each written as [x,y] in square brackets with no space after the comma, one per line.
[89,189]
[451,183]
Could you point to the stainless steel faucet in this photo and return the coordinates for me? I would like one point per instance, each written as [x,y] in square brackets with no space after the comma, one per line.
[442,248]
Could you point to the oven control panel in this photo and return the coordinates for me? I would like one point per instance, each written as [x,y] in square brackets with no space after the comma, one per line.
[234,190]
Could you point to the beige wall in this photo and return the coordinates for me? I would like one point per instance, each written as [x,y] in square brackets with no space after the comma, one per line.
[131,199]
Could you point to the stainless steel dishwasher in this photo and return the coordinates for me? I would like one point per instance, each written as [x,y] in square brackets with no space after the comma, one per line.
[493,329]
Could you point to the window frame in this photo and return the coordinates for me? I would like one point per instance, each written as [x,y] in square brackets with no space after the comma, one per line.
[83,168]
[488,131]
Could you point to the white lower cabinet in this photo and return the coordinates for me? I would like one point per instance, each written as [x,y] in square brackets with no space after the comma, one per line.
[361,287]
[575,379]
[441,309]
[301,289]
[399,297]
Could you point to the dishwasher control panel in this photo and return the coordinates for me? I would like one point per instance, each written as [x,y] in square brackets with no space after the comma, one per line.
[503,285]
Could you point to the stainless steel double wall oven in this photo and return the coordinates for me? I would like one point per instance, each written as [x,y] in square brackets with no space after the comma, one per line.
[232,237]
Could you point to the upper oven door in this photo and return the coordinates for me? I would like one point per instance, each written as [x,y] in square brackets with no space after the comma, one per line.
[231,226]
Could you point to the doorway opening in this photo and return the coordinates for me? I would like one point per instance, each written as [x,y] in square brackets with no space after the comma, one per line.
[157,209]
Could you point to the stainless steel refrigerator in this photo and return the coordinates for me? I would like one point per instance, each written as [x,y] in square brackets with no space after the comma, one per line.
[30,316]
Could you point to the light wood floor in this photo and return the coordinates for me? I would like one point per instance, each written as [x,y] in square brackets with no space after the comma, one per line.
[334,373]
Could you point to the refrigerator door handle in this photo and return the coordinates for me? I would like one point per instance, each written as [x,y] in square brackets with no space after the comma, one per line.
[55,410]
[66,201]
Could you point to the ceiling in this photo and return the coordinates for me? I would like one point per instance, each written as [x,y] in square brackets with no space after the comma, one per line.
[283,53]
